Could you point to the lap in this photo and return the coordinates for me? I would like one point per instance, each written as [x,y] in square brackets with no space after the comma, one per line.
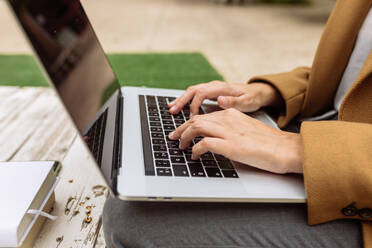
[157,224]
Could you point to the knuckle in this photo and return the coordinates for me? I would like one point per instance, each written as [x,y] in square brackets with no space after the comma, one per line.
[197,125]
[190,88]
[205,143]
[183,136]
[195,148]
[247,99]
[199,91]
[195,118]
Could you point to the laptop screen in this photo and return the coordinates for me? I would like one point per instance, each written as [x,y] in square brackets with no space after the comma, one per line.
[67,46]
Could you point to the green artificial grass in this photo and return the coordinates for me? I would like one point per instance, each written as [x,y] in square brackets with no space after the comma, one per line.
[20,70]
[158,70]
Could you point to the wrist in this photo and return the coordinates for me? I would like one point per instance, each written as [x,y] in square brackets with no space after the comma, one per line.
[268,95]
[290,153]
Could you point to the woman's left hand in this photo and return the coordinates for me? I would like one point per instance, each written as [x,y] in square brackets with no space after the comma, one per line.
[242,138]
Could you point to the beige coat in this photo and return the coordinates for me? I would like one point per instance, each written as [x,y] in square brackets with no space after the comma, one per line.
[337,155]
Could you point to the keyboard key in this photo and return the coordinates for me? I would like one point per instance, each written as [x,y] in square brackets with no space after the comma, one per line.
[188,151]
[155,124]
[180,170]
[169,128]
[152,105]
[175,152]
[213,172]
[207,156]
[188,159]
[150,98]
[167,132]
[156,129]
[164,172]
[161,155]
[168,122]
[154,119]
[162,99]
[171,99]
[173,145]
[220,157]
[177,160]
[225,165]
[158,141]
[162,163]
[159,148]
[157,135]
[196,170]
[165,112]
[152,109]
[176,142]
[179,121]
[178,117]
[153,114]
[230,173]
[210,163]
[163,104]
[166,117]
[164,109]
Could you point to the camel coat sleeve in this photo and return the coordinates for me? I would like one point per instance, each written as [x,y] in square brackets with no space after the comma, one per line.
[292,87]
[337,157]
[337,163]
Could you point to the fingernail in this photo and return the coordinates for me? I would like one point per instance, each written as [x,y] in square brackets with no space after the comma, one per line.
[171,103]
[171,135]
[172,108]
[191,114]
[193,157]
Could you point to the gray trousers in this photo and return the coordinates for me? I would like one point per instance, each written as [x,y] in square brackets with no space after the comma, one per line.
[156,224]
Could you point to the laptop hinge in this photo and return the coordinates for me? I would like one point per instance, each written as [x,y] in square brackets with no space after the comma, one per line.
[117,151]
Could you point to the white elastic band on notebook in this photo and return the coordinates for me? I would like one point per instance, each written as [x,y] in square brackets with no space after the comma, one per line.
[38,213]
[42,213]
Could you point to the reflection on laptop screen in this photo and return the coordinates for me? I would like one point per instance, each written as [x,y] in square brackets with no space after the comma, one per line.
[66,44]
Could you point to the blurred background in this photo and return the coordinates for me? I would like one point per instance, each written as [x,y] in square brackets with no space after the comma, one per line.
[240,38]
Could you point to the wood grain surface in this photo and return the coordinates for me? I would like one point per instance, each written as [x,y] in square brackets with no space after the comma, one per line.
[34,126]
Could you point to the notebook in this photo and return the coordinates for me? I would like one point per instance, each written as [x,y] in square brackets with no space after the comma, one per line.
[26,189]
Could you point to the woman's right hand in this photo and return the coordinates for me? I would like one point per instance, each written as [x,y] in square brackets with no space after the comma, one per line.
[243,97]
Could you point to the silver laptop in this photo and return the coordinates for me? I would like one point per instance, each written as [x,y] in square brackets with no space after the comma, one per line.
[126,128]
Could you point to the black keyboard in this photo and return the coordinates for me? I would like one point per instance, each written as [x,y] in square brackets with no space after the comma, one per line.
[96,136]
[162,156]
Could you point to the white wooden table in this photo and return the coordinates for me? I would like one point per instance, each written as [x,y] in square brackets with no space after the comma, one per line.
[34,126]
